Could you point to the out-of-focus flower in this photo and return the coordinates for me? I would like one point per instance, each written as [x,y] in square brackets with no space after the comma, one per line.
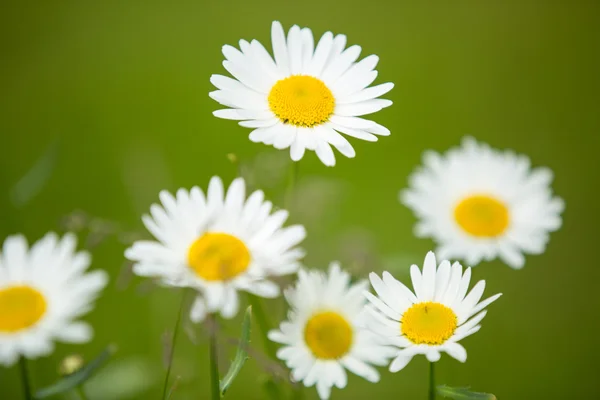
[479,203]
[43,290]
[219,244]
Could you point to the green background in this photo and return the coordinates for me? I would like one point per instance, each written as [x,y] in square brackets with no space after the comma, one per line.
[123,86]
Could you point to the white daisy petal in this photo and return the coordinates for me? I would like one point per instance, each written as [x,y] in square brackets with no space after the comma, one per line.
[402,359]
[367,94]
[456,351]
[308,47]
[361,369]
[357,133]
[294,47]
[280,47]
[433,356]
[325,153]
[321,54]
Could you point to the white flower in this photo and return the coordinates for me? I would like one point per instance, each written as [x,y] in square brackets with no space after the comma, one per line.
[479,203]
[433,319]
[324,333]
[43,290]
[304,98]
[218,244]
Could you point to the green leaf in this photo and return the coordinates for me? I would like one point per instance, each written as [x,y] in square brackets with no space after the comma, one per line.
[463,394]
[32,183]
[241,354]
[70,382]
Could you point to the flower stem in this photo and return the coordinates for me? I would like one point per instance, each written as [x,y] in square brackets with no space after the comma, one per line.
[292,178]
[172,349]
[431,381]
[25,378]
[214,366]
[263,324]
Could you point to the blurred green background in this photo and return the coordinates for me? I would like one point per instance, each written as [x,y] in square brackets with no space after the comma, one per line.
[123,87]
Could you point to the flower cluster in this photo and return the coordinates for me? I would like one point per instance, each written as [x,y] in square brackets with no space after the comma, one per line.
[475,202]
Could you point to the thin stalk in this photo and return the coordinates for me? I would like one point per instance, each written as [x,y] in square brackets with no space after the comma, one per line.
[431,381]
[263,324]
[214,367]
[172,349]
[291,184]
[25,378]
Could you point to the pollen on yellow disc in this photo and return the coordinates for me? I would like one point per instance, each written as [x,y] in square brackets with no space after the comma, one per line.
[218,257]
[20,307]
[482,216]
[328,335]
[301,100]
[428,323]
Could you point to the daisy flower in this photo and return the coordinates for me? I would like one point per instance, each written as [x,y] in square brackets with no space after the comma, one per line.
[478,203]
[324,334]
[434,318]
[219,244]
[304,97]
[43,290]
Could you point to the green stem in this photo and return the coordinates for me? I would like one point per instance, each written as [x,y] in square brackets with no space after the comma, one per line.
[431,381]
[289,191]
[263,324]
[81,393]
[172,349]
[25,378]
[214,366]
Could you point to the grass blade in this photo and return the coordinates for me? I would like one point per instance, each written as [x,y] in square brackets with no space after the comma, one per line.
[32,183]
[463,394]
[241,354]
[70,382]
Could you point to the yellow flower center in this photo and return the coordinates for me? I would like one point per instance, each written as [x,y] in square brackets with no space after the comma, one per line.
[482,216]
[20,308]
[328,335]
[301,100]
[218,257]
[428,323]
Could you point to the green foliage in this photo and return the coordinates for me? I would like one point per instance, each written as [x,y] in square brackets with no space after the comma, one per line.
[241,354]
[76,379]
[463,394]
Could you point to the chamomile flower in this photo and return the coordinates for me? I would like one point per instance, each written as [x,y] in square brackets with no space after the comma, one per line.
[219,244]
[304,97]
[43,290]
[434,318]
[479,203]
[324,333]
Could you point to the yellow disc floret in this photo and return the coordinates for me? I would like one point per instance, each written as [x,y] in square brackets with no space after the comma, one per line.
[301,100]
[20,307]
[218,257]
[482,216]
[328,335]
[429,323]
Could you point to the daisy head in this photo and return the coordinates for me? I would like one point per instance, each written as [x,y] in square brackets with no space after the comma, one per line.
[432,319]
[219,243]
[305,97]
[43,290]
[325,334]
[479,203]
